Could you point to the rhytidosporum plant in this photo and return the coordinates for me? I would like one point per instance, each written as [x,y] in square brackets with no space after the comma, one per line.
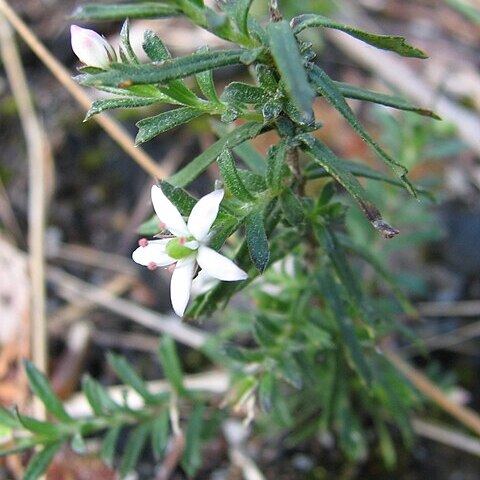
[301,352]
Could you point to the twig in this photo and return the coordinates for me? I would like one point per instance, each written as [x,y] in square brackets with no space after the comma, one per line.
[81,307]
[130,341]
[466,308]
[114,129]
[465,415]
[447,436]
[214,382]
[38,157]
[403,78]
[92,257]
[68,285]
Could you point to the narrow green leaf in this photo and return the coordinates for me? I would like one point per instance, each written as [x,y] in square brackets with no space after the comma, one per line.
[39,463]
[387,445]
[328,160]
[276,166]
[230,176]
[39,384]
[192,458]
[238,12]
[328,89]
[205,82]
[160,430]
[352,91]
[350,340]
[118,11]
[257,240]
[267,391]
[130,377]
[385,42]
[125,46]
[171,363]
[289,62]
[136,441]
[243,93]
[292,207]
[154,47]
[109,443]
[243,355]
[98,397]
[98,106]
[256,183]
[8,418]
[291,372]
[266,78]
[249,154]
[150,127]
[78,444]
[205,159]
[49,430]
[127,75]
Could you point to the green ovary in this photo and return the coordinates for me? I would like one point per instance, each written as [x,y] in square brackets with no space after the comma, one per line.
[176,250]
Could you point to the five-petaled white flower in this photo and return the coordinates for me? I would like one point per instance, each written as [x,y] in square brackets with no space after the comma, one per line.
[187,247]
[91,48]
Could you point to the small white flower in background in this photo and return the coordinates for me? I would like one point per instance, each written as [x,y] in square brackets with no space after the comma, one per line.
[187,248]
[91,48]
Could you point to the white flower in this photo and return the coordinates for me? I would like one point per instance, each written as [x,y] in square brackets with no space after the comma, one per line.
[91,48]
[188,246]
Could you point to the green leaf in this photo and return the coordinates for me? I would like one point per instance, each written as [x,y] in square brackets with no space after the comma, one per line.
[126,50]
[205,82]
[385,42]
[230,176]
[291,372]
[249,154]
[257,240]
[243,93]
[349,340]
[98,397]
[136,441]
[191,458]
[154,47]
[352,91]
[98,106]
[243,355]
[205,159]
[130,377]
[256,183]
[41,428]
[289,62]
[238,11]
[292,207]
[160,431]
[109,444]
[267,391]
[326,87]
[266,78]
[276,166]
[116,11]
[329,161]
[150,127]
[170,363]
[8,418]
[150,227]
[121,74]
[78,444]
[39,463]
[39,384]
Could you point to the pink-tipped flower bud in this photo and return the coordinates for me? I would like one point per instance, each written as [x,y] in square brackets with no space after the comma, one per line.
[91,48]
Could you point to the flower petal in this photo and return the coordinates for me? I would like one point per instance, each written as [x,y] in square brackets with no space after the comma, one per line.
[218,266]
[91,48]
[168,213]
[204,214]
[154,252]
[181,284]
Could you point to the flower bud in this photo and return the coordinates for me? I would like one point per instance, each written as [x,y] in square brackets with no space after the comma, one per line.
[91,48]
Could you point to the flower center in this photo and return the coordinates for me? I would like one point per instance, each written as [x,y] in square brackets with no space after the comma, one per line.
[176,249]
